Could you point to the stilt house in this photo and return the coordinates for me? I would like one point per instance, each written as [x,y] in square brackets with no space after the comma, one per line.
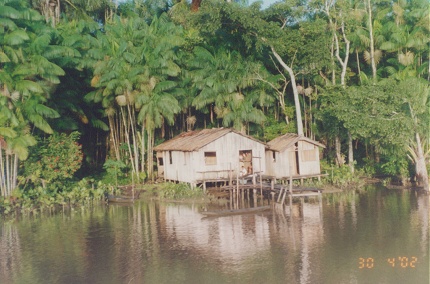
[209,155]
[291,155]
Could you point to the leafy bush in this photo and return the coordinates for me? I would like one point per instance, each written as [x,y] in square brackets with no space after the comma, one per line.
[179,191]
[369,167]
[274,128]
[340,176]
[36,198]
[55,159]
[396,167]
[115,171]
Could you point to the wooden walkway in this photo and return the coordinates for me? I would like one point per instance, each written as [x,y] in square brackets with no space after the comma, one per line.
[228,177]
[282,191]
[266,185]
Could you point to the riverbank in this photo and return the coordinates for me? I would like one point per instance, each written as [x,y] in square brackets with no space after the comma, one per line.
[88,192]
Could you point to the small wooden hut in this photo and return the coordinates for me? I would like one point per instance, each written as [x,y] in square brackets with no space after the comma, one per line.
[291,155]
[209,155]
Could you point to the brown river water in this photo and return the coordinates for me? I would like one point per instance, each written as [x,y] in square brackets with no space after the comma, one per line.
[370,236]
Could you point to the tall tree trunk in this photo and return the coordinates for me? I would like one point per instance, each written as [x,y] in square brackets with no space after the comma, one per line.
[295,92]
[344,62]
[8,177]
[372,44]
[333,65]
[350,153]
[150,154]
[2,176]
[358,64]
[333,25]
[420,165]
[195,5]
[142,149]
[337,145]
[127,140]
[280,94]
[114,147]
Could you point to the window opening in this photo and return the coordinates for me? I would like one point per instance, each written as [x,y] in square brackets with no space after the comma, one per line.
[210,158]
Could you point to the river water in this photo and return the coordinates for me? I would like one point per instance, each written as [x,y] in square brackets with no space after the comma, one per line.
[371,236]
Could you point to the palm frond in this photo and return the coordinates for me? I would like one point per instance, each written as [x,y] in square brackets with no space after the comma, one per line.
[121,100]
[406,59]
[24,86]
[19,145]
[7,132]
[46,111]
[9,12]
[164,86]
[3,57]
[30,14]
[41,42]
[388,45]
[16,37]
[13,54]
[53,79]
[9,24]
[97,123]
[377,56]
[56,51]
[40,123]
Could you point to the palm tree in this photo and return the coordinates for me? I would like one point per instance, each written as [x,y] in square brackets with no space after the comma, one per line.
[158,96]
[115,78]
[26,78]
[134,76]
[407,39]
[156,105]
[224,80]
[98,10]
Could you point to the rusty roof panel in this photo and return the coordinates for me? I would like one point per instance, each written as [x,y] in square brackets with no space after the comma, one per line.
[285,141]
[194,140]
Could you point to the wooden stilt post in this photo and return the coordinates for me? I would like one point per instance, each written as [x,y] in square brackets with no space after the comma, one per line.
[261,180]
[291,185]
[302,205]
[230,176]
[283,197]
[280,194]
[237,181]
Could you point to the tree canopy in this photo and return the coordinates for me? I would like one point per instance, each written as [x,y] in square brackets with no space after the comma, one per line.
[129,75]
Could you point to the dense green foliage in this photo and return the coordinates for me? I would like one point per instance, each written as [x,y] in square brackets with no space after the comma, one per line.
[177,191]
[54,160]
[352,74]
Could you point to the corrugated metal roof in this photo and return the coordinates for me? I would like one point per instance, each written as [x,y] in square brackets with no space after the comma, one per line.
[285,141]
[194,140]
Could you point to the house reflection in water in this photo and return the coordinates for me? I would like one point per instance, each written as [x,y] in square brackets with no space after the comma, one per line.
[239,239]
[232,239]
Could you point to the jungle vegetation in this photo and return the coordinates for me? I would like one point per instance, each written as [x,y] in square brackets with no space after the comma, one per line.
[92,86]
